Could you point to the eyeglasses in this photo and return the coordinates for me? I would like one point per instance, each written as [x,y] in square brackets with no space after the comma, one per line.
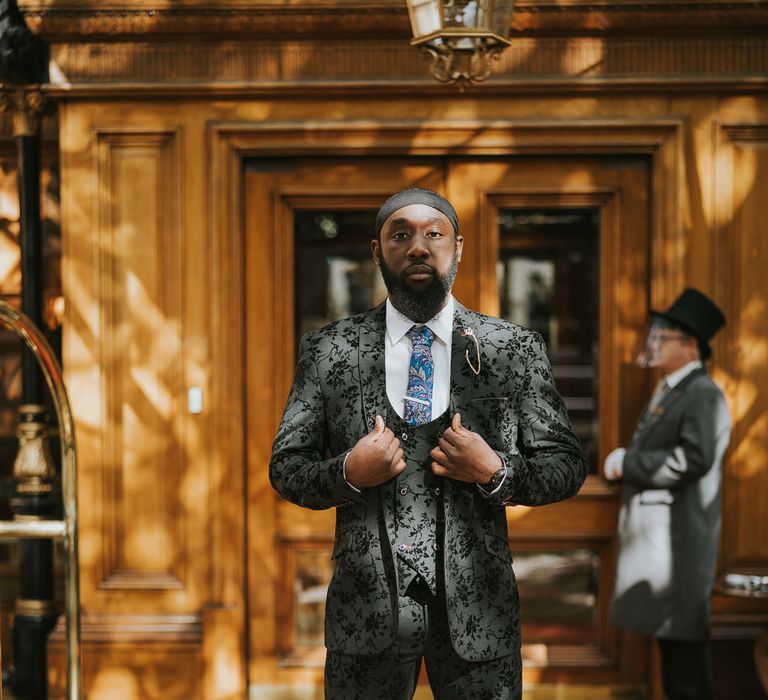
[661,338]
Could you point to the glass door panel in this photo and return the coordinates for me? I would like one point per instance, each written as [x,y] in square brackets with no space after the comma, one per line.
[548,273]
[335,275]
[558,595]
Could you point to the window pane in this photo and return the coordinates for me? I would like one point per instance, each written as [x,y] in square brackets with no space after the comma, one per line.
[335,275]
[558,595]
[313,574]
[548,273]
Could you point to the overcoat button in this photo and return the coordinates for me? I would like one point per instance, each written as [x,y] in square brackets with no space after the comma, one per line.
[437,490]
[402,547]
[404,437]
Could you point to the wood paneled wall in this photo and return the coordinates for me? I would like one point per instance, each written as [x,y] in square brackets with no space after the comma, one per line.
[152,205]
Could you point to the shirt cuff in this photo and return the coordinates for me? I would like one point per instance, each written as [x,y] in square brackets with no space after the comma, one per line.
[344,473]
[614,464]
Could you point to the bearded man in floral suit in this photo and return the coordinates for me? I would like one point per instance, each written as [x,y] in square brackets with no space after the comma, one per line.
[419,421]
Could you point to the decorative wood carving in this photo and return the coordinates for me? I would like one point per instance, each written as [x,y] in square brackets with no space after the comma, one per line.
[387,18]
[739,62]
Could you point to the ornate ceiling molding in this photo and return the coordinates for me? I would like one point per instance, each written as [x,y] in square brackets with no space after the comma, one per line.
[291,21]
[733,63]
[387,19]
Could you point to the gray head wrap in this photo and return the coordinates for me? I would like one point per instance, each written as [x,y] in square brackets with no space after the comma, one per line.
[416,195]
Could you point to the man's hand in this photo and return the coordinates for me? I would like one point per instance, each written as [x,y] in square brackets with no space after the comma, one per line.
[464,456]
[614,464]
[375,458]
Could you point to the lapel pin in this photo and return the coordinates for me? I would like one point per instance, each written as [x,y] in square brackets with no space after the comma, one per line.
[471,333]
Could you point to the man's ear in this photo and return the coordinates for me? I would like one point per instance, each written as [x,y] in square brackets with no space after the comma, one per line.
[375,250]
[459,247]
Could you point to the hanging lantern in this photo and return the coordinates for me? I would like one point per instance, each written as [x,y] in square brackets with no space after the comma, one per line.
[461,36]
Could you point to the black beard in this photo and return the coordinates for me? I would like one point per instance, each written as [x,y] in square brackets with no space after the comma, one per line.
[419,305]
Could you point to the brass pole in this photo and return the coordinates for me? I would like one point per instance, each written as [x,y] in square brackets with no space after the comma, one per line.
[66,528]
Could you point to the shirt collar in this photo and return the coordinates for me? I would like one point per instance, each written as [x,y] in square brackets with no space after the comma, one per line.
[441,324]
[674,378]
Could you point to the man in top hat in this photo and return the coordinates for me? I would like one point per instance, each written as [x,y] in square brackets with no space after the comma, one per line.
[669,522]
[419,421]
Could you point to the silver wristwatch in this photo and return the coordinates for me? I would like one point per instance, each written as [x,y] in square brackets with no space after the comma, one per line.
[495,480]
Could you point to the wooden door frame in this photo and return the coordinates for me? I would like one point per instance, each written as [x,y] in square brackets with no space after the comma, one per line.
[231,143]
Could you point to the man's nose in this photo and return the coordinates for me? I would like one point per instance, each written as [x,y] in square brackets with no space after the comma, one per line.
[418,247]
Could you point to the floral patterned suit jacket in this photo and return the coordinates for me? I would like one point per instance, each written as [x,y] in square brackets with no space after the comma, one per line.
[339,388]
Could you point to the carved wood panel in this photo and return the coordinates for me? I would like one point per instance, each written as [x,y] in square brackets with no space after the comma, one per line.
[740,264]
[139,268]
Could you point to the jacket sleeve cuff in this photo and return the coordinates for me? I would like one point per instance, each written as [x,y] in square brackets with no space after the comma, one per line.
[492,495]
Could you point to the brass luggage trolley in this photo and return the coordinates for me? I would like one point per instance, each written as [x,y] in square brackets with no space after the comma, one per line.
[65,529]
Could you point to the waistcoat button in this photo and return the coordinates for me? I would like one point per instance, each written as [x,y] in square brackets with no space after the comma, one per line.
[437,490]
[404,491]
[404,437]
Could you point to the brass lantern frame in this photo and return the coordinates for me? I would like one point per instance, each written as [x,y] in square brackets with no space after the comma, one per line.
[461,54]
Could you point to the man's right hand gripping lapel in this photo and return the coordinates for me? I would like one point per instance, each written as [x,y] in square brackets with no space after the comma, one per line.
[375,459]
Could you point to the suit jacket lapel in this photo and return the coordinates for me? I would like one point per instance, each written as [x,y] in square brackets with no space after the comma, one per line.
[370,362]
[651,418]
[373,393]
[462,376]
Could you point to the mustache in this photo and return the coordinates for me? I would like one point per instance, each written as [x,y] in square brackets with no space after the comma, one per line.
[420,267]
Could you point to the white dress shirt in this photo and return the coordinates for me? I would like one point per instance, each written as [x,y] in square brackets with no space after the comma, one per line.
[397,357]
[674,378]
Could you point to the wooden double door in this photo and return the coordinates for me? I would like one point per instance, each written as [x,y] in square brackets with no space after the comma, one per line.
[558,244]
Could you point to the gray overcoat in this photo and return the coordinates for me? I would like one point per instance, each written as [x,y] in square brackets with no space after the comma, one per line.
[338,389]
[669,522]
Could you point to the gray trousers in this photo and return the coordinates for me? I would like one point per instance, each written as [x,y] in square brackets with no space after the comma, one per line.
[394,676]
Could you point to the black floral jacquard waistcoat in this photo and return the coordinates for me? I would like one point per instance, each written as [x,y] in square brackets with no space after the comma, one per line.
[418,503]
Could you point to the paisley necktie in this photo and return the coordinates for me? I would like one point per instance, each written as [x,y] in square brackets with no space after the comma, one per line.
[418,398]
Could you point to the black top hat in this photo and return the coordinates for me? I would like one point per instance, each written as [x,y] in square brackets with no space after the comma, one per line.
[696,314]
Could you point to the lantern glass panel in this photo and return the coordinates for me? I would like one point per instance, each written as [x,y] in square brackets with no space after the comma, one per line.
[425,17]
[463,13]
[464,43]
[501,17]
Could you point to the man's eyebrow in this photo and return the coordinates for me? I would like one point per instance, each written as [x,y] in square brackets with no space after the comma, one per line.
[404,220]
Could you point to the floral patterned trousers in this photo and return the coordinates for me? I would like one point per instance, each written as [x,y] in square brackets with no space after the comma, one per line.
[394,676]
